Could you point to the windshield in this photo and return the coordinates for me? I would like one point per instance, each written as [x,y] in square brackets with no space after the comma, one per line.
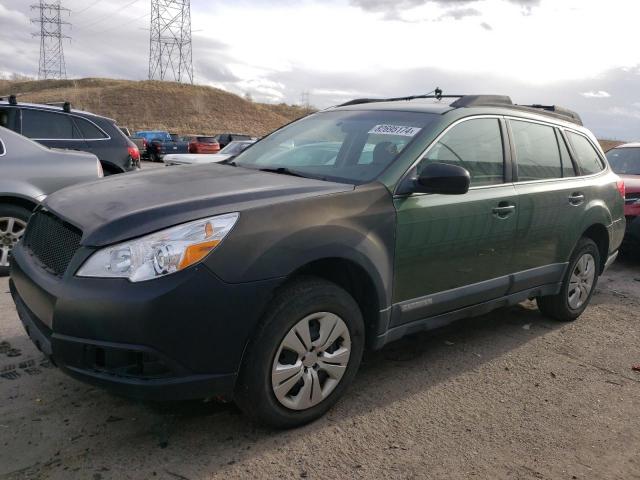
[625,161]
[347,146]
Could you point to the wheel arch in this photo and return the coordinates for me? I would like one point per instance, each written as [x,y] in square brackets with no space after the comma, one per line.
[18,200]
[600,235]
[362,282]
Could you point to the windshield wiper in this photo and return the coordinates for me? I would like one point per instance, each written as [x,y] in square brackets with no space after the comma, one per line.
[283,171]
[229,161]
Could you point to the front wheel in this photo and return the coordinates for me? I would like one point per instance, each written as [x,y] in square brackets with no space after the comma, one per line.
[304,356]
[13,222]
[578,285]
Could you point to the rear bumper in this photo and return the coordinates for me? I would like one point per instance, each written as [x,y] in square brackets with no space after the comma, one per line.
[177,337]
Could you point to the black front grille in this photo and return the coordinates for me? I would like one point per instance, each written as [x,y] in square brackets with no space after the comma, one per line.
[52,241]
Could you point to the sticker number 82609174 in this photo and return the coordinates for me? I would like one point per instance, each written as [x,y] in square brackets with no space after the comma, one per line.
[394,130]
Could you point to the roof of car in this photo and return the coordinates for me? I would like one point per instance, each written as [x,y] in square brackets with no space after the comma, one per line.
[443,104]
[44,106]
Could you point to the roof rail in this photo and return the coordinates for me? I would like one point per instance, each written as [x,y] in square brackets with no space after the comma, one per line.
[462,100]
[481,100]
[11,98]
[555,111]
[66,106]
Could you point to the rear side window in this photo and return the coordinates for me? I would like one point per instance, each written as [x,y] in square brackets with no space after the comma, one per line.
[89,130]
[475,145]
[587,156]
[43,125]
[537,151]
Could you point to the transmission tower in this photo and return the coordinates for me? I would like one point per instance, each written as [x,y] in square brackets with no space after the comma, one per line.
[170,41]
[51,53]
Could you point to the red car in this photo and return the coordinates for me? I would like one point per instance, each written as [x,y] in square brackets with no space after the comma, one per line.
[202,144]
[625,161]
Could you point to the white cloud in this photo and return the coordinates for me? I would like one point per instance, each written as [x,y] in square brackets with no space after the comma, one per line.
[596,94]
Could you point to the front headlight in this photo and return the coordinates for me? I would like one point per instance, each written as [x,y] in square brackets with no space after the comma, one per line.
[160,253]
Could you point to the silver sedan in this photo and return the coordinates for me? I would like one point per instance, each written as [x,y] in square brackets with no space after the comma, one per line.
[28,173]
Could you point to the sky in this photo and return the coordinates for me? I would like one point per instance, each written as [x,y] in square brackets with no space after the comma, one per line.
[581,54]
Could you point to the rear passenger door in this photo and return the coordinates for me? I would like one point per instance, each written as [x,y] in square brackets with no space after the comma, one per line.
[455,250]
[551,200]
[52,129]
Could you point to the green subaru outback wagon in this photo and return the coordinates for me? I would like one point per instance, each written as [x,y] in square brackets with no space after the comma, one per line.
[264,279]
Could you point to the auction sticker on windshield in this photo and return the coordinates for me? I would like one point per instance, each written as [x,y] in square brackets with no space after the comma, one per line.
[395,130]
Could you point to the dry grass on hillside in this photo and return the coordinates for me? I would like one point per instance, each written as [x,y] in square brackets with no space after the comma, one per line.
[166,105]
[159,105]
[609,144]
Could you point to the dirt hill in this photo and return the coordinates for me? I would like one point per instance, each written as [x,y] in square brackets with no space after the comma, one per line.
[159,105]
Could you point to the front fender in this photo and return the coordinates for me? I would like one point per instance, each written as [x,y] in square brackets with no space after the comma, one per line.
[278,239]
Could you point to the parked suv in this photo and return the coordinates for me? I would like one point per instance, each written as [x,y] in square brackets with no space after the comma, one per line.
[264,279]
[62,127]
[225,139]
[625,161]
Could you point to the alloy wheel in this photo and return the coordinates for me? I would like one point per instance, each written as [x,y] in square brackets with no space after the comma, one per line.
[582,280]
[311,360]
[11,230]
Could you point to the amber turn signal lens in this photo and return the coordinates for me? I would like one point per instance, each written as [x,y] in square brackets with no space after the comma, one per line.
[195,253]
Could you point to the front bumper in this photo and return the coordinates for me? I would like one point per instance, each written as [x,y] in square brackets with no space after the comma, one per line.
[177,337]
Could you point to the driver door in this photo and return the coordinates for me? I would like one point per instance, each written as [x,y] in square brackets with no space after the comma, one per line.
[454,251]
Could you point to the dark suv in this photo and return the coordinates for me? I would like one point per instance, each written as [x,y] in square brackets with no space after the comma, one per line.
[263,280]
[62,127]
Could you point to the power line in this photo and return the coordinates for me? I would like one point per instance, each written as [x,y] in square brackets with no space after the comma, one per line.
[122,24]
[108,16]
[51,64]
[88,7]
[170,41]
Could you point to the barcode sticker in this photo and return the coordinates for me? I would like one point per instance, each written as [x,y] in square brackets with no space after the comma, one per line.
[395,130]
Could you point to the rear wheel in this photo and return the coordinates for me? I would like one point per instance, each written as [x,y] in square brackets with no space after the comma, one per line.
[13,222]
[578,285]
[304,355]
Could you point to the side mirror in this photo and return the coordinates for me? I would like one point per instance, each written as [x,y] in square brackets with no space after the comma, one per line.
[443,178]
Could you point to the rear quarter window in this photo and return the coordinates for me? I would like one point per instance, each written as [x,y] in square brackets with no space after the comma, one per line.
[89,130]
[587,156]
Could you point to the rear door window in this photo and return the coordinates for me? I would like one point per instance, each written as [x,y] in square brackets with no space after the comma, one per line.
[537,151]
[475,145]
[89,130]
[42,125]
[587,156]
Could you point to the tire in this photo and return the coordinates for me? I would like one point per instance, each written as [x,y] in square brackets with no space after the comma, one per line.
[317,304]
[155,157]
[563,306]
[13,221]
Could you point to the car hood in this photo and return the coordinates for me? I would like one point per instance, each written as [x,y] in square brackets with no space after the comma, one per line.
[132,204]
[631,182]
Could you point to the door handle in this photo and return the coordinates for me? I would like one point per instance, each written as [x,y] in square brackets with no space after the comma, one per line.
[503,210]
[576,198]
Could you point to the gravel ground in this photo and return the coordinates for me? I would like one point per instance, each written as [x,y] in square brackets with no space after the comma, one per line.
[508,395]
